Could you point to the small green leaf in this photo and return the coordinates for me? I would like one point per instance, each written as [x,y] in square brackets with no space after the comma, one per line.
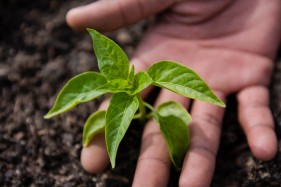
[94,125]
[132,74]
[141,81]
[112,60]
[182,80]
[79,89]
[173,120]
[119,115]
[173,108]
[176,135]
[117,85]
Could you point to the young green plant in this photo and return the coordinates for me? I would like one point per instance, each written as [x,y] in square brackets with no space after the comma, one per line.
[117,77]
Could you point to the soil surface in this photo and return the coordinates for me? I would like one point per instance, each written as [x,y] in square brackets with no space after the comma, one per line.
[38,54]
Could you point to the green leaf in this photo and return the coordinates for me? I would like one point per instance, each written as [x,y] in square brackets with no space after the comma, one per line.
[182,80]
[172,118]
[119,115]
[112,61]
[132,74]
[176,135]
[117,85]
[173,108]
[94,125]
[79,89]
[141,81]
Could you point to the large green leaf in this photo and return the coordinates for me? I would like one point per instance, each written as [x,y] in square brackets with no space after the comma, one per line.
[173,120]
[182,80]
[112,60]
[119,115]
[94,125]
[79,89]
[141,81]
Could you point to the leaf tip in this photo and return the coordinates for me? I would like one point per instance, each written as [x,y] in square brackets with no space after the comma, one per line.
[221,103]
[85,144]
[47,116]
[50,114]
[92,32]
[112,164]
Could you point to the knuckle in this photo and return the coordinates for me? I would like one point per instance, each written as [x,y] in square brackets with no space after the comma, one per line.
[204,149]
[257,126]
[263,68]
[266,68]
[155,160]
[254,96]
[207,118]
[187,182]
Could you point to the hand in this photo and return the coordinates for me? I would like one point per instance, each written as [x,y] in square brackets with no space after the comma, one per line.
[231,44]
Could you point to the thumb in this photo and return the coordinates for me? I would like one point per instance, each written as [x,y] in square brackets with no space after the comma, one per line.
[108,15]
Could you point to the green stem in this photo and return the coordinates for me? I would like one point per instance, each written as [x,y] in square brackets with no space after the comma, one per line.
[150,115]
[141,107]
[137,116]
[149,106]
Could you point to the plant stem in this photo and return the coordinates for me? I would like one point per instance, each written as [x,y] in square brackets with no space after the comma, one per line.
[142,108]
[137,116]
[142,111]
[149,106]
[150,115]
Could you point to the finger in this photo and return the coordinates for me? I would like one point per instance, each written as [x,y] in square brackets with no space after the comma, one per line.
[94,158]
[154,163]
[113,14]
[205,130]
[257,121]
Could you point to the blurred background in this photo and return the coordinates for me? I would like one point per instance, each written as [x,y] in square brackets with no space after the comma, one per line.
[38,54]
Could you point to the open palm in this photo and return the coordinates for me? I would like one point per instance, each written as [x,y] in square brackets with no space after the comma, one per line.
[231,44]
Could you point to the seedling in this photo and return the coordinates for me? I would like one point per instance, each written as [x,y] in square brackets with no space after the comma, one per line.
[117,77]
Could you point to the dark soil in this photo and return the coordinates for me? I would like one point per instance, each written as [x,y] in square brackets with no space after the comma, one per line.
[38,54]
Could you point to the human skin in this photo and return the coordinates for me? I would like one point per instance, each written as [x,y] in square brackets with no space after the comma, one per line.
[230,43]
